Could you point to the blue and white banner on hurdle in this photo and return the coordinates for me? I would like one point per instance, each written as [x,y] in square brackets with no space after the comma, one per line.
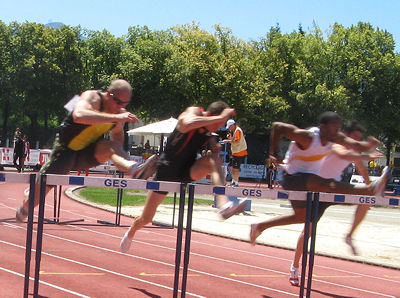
[112,183]
[251,192]
[358,199]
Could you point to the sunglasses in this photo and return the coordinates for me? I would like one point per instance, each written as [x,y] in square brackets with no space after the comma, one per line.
[118,101]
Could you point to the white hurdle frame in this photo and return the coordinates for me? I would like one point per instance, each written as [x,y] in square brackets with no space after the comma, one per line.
[313,200]
[54,180]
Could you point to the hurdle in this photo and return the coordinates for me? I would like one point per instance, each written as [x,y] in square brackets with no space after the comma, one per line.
[26,179]
[257,193]
[54,180]
[313,199]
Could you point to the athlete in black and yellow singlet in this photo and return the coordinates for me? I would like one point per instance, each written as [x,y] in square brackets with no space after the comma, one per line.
[79,143]
[75,144]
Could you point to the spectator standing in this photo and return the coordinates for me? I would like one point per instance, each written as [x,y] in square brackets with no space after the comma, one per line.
[238,149]
[18,153]
[16,134]
[147,146]
[27,151]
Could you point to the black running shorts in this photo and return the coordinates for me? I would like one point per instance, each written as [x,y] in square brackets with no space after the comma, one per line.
[298,182]
[62,160]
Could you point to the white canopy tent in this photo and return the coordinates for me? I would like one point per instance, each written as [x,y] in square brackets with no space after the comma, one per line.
[161,128]
[164,127]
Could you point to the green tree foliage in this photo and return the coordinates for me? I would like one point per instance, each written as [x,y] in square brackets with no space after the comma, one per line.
[368,69]
[101,55]
[6,77]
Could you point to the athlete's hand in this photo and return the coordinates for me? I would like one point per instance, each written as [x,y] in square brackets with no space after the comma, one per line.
[228,113]
[375,155]
[373,142]
[274,160]
[127,117]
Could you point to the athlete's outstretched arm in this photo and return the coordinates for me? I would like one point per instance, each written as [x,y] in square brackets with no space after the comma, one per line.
[302,137]
[194,117]
[360,146]
[350,155]
[87,111]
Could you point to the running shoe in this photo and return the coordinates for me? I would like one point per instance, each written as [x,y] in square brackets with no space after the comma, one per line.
[230,209]
[21,214]
[294,276]
[146,169]
[126,242]
[349,241]
[380,183]
[233,184]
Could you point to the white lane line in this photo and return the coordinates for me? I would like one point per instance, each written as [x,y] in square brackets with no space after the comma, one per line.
[46,283]
[52,206]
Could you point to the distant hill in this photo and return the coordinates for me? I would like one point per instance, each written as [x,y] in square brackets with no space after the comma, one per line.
[56,25]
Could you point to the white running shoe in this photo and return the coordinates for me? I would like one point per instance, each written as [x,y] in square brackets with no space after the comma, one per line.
[126,242]
[146,169]
[294,276]
[21,214]
[230,209]
[380,183]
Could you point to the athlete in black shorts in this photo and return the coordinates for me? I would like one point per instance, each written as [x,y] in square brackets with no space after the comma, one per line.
[178,163]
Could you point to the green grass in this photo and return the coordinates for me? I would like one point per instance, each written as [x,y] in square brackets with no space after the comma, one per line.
[131,197]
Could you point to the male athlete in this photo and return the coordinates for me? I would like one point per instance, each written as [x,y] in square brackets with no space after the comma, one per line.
[178,162]
[332,168]
[303,161]
[79,143]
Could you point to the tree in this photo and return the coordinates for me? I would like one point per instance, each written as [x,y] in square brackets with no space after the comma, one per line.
[369,70]
[102,55]
[6,78]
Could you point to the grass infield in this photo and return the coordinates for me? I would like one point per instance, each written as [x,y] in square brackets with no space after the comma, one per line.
[131,197]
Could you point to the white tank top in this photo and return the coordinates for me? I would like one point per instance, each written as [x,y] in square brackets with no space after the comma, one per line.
[241,145]
[332,167]
[309,160]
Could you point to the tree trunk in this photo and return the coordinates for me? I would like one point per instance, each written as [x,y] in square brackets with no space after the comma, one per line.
[5,121]
[388,149]
[34,128]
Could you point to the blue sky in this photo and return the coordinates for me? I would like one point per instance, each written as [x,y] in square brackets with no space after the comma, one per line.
[248,19]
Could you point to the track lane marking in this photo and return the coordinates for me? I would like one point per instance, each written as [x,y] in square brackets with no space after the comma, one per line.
[41,272]
[46,283]
[162,274]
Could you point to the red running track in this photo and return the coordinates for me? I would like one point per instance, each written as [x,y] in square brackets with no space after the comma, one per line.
[85,261]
